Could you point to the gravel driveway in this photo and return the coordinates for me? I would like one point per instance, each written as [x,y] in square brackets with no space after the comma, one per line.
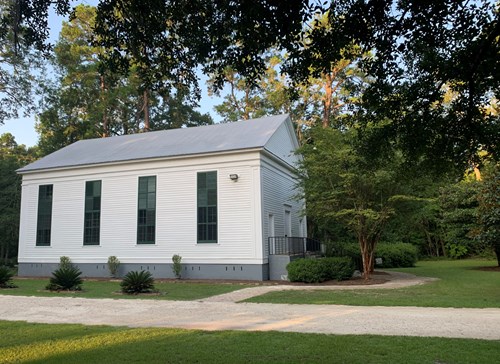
[222,313]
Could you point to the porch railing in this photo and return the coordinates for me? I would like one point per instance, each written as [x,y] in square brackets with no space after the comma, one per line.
[293,245]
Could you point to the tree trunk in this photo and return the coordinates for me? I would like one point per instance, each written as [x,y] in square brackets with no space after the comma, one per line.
[367,255]
[105,127]
[443,248]
[327,100]
[2,250]
[497,252]
[145,108]
[477,172]
[7,254]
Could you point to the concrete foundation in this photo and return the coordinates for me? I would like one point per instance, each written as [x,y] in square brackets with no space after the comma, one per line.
[277,266]
[257,272]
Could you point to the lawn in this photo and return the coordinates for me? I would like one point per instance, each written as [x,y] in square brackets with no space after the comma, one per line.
[178,290]
[43,343]
[460,284]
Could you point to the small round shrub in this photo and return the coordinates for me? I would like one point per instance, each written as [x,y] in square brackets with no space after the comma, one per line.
[113,265]
[65,262]
[6,277]
[136,282]
[306,270]
[177,266]
[397,255]
[338,268]
[320,270]
[65,278]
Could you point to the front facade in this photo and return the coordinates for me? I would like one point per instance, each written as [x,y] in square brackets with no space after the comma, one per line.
[215,207]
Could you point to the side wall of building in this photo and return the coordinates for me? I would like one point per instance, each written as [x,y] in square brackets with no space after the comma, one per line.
[238,253]
[282,210]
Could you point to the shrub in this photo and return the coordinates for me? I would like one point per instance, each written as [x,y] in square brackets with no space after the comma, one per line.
[394,255]
[137,282]
[6,278]
[177,267]
[456,251]
[320,270]
[397,255]
[65,262]
[339,268]
[348,249]
[306,270]
[113,265]
[65,278]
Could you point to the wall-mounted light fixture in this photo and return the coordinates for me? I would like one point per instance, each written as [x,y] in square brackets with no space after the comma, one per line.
[234,177]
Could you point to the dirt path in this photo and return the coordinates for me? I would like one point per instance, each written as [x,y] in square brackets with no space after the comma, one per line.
[395,280]
[222,313]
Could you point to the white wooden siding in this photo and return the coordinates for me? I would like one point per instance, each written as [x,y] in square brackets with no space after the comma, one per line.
[239,217]
[278,194]
[283,144]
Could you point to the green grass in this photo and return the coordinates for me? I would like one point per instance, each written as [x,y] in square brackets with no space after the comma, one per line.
[460,284]
[41,343]
[183,290]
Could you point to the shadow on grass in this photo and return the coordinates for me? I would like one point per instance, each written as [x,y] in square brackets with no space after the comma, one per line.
[125,345]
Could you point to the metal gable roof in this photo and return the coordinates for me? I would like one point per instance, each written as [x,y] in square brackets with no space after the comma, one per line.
[248,134]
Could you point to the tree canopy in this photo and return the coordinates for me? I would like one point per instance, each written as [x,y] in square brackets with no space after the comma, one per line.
[420,50]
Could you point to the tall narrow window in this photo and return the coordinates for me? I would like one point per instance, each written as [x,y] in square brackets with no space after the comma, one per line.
[146,216]
[270,227]
[207,207]
[288,223]
[44,220]
[92,225]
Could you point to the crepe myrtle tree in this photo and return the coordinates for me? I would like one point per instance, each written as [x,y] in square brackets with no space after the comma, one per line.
[341,186]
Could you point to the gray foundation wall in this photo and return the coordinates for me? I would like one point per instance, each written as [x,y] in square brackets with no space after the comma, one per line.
[277,266]
[256,272]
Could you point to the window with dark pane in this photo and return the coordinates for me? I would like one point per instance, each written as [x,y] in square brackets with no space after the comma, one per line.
[207,207]
[44,219]
[146,214]
[92,224]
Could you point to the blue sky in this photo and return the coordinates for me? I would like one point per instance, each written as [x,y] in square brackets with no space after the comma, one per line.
[23,128]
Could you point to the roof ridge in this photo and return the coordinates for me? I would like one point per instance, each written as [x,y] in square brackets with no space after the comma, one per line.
[222,137]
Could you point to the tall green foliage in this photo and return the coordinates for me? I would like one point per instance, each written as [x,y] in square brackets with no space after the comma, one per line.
[90,100]
[458,203]
[418,221]
[489,209]
[321,100]
[21,65]
[12,157]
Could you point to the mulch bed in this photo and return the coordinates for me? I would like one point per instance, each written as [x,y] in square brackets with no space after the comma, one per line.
[119,293]
[489,269]
[63,291]
[376,278]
